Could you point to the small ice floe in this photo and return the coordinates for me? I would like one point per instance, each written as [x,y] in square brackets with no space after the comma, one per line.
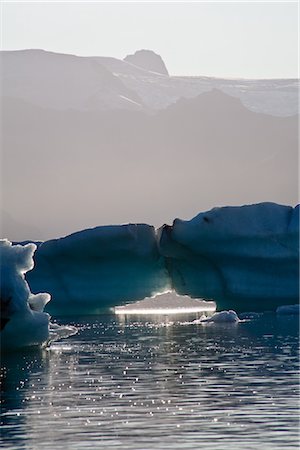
[57,332]
[196,321]
[223,317]
[250,315]
[218,317]
[287,310]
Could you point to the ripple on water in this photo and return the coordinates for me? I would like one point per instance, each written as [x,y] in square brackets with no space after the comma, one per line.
[156,385]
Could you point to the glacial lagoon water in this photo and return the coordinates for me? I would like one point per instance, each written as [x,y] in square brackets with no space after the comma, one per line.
[156,382]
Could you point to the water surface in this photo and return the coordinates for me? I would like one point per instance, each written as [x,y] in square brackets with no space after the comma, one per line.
[146,383]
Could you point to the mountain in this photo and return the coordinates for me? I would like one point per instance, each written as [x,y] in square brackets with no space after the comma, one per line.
[64,82]
[66,170]
[149,60]
[139,82]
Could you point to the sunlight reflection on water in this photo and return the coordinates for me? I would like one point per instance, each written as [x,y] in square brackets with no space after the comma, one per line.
[147,383]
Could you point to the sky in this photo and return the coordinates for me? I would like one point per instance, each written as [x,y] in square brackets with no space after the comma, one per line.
[223,39]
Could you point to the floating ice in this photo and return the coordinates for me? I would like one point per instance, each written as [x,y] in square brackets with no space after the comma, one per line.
[242,257]
[250,315]
[223,317]
[288,310]
[23,322]
[57,332]
[99,268]
[218,317]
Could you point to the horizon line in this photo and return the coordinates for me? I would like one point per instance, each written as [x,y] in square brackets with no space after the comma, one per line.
[220,77]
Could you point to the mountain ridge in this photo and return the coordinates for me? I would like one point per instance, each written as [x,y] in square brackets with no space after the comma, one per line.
[88,160]
[95,82]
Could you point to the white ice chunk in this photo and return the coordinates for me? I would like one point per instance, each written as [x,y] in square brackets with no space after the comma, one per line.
[38,302]
[23,322]
[57,332]
[223,317]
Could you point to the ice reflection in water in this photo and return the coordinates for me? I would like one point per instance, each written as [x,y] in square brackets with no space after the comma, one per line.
[149,384]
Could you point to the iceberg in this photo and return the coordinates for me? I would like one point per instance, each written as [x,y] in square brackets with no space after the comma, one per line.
[23,321]
[288,310]
[95,269]
[245,258]
[241,257]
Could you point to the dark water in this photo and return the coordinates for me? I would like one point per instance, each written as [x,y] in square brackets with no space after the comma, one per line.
[146,384]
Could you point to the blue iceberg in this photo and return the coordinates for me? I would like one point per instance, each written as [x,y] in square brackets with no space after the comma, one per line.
[242,257]
[99,268]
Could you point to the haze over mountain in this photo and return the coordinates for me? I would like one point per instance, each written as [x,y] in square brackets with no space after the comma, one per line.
[61,81]
[91,141]
[148,60]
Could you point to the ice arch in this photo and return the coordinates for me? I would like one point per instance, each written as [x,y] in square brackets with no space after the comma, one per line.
[244,258]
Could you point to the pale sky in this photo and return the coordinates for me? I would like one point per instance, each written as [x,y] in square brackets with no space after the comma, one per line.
[223,39]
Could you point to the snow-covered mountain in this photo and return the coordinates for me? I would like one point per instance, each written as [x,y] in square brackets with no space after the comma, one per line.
[95,141]
[63,82]
[140,81]
[148,60]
